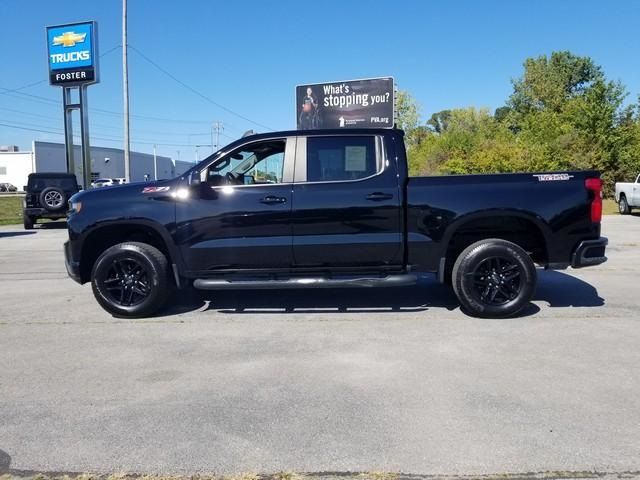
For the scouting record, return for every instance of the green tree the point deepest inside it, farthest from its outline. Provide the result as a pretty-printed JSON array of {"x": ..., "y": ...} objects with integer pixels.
[
  {"x": 439, "y": 121},
  {"x": 563, "y": 114},
  {"x": 548, "y": 82},
  {"x": 407, "y": 112}
]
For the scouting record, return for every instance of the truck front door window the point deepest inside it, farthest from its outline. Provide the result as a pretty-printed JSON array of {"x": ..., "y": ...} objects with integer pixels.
[{"x": 257, "y": 163}]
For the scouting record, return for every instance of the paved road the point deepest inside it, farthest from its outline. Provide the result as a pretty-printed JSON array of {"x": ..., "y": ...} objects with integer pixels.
[{"x": 395, "y": 380}]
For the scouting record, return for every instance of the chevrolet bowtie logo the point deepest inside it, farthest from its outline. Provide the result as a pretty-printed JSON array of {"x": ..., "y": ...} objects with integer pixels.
[{"x": 69, "y": 39}]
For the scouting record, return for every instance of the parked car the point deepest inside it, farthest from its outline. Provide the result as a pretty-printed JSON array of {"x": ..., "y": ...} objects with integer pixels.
[
  {"x": 108, "y": 182},
  {"x": 47, "y": 196},
  {"x": 338, "y": 209},
  {"x": 8, "y": 187},
  {"x": 628, "y": 196},
  {"x": 102, "y": 182}
]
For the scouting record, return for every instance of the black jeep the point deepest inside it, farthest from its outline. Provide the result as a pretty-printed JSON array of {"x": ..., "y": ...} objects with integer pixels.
[{"x": 47, "y": 196}]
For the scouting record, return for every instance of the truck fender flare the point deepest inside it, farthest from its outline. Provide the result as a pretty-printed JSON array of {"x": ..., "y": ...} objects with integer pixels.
[{"x": 459, "y": 222}]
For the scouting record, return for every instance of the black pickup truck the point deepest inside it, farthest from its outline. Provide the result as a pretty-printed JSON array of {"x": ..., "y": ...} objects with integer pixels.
[{"x": 333, "y": 208}]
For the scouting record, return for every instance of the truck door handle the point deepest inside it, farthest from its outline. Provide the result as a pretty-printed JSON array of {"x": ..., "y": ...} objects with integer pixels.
[
  {"x": 377, "y": 196},
  {"x": 272, "y": 200}
]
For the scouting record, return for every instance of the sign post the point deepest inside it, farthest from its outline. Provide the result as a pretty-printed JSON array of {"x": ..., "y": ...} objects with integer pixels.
[
  {"x": 349, "y": 104},
  {"x": 73, "y": 65}
]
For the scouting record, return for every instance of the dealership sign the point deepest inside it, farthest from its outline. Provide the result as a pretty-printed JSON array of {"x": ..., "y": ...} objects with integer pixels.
[
  {"x": 348, "y": 104},
  {"x": 73, "y": 54}
]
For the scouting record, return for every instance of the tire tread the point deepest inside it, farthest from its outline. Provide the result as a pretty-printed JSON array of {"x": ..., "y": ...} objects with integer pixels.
[{"x": 472, "y": 251}]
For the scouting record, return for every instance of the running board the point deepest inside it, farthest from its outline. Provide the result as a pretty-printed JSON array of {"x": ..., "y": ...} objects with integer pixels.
[{"x": 402, "y": 280}]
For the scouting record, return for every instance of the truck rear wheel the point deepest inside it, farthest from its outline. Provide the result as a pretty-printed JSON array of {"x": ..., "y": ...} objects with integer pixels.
[
  {"x": 27, "y": 221},
  {"x": 494, "y": 278},
  {"x": 131, "y": 280},
  {"x": 623, "y": 206}
]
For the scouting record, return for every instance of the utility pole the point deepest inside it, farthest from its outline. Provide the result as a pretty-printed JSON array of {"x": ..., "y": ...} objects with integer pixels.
[
  {"x": 125, "y": 92},
  {"x": 217, "y": 127}
]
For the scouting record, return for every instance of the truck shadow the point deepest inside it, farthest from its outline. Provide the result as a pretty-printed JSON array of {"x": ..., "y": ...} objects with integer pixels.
[
  {"x": 16, "y": 233},
  {"x": 555, "y": 288},
  {"x": 5, "y": 462},
  {"x": 562, "y": 290},
  {"x": 57, "y": 225}
]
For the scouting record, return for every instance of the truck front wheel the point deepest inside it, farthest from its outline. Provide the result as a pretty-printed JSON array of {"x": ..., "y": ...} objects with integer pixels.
[
  {"x": 494, "y": 278},
  {"x": 131, "y": 279}
]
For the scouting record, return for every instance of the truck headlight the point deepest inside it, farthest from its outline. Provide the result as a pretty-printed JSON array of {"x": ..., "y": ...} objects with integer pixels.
[{"x": 75, "y": 207}]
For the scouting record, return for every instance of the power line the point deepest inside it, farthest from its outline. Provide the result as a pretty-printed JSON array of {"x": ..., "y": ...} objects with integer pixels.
[
  {"x": 6, "y": 90},
  {"x": 112, "y": 139},
  {"x": 193, "y": 90},
  {"x": 111, "y": 127},
  {"x": 46, "y": 100},
  {"x": 30, "y": 129},
  {"x": 52, "y": 102}
]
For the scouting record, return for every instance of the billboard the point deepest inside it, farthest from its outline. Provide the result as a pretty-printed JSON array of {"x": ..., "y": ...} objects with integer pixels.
[
  {"x": 349, "y": 104},
  {"x": 72, "y": 54}
]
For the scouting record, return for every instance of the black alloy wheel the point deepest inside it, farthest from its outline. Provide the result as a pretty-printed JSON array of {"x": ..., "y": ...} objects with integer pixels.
[
  {"x": 131, "y": 280},
  {"x": 494, "y": 278},
  {"x": 497, "y": 280},
  {"x": 127, "y": 282}
]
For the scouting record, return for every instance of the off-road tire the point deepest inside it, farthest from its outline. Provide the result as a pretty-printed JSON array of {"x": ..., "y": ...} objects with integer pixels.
[
  {"x": 53, "y": 199},
  {"x": 494, "y": 265},
  {"x": 131, "y": 267},
  {"x": 623, "y": 205},
  {"x": 28, "y": 222}
]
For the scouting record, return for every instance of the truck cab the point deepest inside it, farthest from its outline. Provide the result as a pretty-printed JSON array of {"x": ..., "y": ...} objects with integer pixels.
[{"x": 628, "y": 196}]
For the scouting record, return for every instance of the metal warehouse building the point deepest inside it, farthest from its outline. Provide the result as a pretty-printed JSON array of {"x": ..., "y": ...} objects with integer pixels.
[{"x": 15, "y": 166}]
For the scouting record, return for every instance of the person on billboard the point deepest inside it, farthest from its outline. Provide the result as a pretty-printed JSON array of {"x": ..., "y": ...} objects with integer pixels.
[{"x": 309, "y": 116}]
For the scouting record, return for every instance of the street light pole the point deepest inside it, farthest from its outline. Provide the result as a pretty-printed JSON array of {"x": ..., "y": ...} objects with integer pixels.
[
  {"x": 217, "y": 126},
  {"x": 125, "y": 92},
  {"x": 155, "y": 163}
]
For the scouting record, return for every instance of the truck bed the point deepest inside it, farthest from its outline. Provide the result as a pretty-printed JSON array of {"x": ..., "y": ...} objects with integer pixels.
[{"x": 547, "y": 202}]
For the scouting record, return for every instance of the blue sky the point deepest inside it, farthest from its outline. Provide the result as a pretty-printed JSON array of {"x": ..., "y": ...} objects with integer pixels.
[{"x": 248, "y": 56}]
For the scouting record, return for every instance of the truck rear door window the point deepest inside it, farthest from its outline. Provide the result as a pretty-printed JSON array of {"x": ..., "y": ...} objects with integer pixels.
[{"x": 340, "y": 158}]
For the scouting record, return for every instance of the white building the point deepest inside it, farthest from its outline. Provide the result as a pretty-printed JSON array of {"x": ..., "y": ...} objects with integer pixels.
[{"x": 15, "y": 167}]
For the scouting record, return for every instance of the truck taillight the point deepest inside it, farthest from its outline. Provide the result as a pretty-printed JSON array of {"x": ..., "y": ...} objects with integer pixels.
[{"x": 595, "y": 185}]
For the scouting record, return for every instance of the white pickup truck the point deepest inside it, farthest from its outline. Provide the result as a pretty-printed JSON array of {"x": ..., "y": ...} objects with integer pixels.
[{"x": 628, "y": 196}]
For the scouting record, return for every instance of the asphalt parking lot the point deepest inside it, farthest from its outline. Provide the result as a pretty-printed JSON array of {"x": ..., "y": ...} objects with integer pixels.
[{"x": 317, "y": 381}]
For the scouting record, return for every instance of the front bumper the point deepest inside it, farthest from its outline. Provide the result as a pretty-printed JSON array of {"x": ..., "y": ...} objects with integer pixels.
[
  {"x": 589, "y": 253},
  {"x": 73, "y": 267}
]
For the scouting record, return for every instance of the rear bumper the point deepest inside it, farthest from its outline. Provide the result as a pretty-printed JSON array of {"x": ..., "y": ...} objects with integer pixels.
[
  {"x": 589, "y": 253},
  {"x": 43, "y": 213},
  {"x": 73, "y": 266}
]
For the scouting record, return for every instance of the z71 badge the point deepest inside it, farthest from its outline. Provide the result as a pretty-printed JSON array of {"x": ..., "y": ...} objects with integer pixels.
[
  {"x": 155, "y": 189},
  {"x": 553, "y": 177}
]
